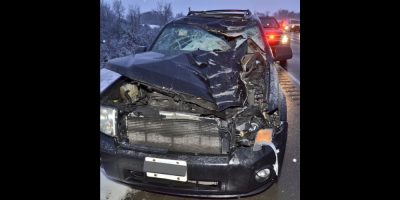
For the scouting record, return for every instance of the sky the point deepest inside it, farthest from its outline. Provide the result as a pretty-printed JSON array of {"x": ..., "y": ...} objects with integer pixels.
[{"x": 183, "y": 5}]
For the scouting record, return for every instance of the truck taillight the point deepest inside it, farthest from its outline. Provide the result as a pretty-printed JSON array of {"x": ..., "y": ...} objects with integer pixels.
[{"x": 270, "y": 37}]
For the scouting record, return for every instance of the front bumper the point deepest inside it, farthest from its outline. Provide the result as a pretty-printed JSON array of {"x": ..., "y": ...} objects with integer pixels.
[{"x": 233, "y": 174}]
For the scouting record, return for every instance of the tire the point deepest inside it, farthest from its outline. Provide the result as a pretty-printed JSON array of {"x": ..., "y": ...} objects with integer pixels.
[
  {"x": 283, "y": 138},
  {"x": 282, "y": 107},
  {"x": 283, "y": 63}
]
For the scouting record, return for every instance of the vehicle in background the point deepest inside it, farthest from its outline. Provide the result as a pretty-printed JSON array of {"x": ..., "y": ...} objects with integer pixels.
[
  {"x": 294, "y": 25},
  {"x": 277, "y": 39},
  {"x": 284, "y": 26}
]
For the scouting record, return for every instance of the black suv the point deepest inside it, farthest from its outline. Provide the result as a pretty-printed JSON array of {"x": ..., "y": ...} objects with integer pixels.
[
  {"x": 200, "y": 114},
  {"x": 277, "y": 40}
]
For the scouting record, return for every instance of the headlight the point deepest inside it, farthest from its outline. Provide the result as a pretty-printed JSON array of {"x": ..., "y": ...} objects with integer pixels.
[
  {"x": 285, "y": 39},
  {"x": 108, "y": 117}
]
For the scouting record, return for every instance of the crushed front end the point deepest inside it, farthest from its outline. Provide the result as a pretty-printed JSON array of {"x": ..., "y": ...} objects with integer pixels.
[
  {"x": 201, "y": 124},
  {"x": 234, "y": 152}
]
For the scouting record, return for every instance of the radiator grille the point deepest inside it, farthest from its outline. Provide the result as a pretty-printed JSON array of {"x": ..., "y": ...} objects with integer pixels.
[{"x": 180, "y": 135}]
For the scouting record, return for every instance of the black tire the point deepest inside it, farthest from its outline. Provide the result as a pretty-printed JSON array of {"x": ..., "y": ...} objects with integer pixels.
[
  {"x": 283, "y": 137},
  {"x": 283, "y": 63},
  {"x": 282, "y": 106}
]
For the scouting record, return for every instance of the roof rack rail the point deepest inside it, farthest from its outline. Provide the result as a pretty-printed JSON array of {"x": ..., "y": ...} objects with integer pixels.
[{"x": 245, "y": 13}]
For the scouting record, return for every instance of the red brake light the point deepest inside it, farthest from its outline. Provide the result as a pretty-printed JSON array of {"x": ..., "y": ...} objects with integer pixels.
[{"x": 271, "y": 37}]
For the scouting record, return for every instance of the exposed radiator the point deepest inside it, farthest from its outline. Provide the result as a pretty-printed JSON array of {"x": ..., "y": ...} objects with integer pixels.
[{"x": 179, "y": 135}]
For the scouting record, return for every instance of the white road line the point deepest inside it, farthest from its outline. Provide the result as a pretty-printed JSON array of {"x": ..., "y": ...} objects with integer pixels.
[
  {"x": 294, "y": 43},
  {"x": 295, "y": 40},
  {"x": 291, "y": 76},
  {"x": 294, "y": 79}
]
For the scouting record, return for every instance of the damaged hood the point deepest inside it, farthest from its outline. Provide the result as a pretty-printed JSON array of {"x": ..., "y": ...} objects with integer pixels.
[{"x": 211, "y": 76}]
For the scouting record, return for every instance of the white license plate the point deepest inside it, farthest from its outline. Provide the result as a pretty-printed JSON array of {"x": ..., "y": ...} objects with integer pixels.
[{"x": 175, "y": 170}]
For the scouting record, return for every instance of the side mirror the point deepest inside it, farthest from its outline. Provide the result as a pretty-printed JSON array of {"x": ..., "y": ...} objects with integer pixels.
[{"x": 140, "y": 49}]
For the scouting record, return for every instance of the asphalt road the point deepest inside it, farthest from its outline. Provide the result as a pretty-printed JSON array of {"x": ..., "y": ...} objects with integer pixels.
[
  {"x": 294, "y": 64},
  {"x": 288, "y": 186}
]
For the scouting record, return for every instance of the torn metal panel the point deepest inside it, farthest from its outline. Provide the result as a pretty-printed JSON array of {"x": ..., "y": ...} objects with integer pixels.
[
  {"x": 274, "y": 89},
  {"x": 213, "y": 78},
  {"x": 107, "y": 77},
  {"x": 172, "y": 73},
  {"x": 225, "y": 85}
]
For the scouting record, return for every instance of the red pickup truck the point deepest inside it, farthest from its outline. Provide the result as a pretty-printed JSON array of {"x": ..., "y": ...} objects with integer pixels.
[{"x": 277, "y": 40}]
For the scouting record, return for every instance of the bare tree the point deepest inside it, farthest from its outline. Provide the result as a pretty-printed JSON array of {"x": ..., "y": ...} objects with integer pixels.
[
  {"x": 107, "y": 18},
  {"x": 134, "y": 18},
  {"x": 104, "y": 12},
  {"x": 164, "y": 11},
  {"x": 123, "y": 32},
  {"x": 286, "y": 14},
  {"x": 118, "y": 8},
  {"x": 179, "y": 15},
  {"x": 119, "y": 12},
  {"x": 259, "y": 14}
]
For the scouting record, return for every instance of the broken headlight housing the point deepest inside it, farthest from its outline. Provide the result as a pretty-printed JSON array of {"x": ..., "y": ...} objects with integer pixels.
[{"x": 108, "y": 118}]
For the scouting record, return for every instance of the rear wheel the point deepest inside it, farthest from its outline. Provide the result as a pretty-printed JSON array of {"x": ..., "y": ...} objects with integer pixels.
[{"x": 283, "y": 63}]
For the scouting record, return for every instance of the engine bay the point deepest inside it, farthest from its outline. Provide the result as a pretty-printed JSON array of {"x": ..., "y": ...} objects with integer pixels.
[{"x": 151, "y": 117}]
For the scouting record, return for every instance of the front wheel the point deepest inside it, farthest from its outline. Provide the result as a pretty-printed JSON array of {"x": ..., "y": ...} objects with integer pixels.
[{"x": 282, "y": 110}]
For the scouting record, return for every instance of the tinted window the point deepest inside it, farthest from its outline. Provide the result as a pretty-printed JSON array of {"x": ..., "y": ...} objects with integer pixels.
[{"x": 269, "y": 23}]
